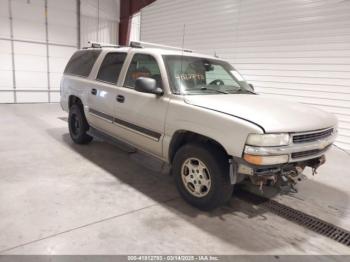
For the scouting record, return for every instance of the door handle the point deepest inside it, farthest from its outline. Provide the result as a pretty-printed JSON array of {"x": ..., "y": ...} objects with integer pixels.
[
  {"x": 94, "y": 91},
  {"x": 120, "y": 98}
]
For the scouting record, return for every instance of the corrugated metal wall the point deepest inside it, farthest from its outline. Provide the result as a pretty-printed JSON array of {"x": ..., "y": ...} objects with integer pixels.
[
  {"x": 37, "y": 37},
  {"x": 295, "y": 49},
  {"x": 135, "y": 27}
]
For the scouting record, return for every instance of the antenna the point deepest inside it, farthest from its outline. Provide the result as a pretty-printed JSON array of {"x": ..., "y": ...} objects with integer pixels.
[
  {"x": 183, "y": 37},
  {"x": 182, "y": 52}
]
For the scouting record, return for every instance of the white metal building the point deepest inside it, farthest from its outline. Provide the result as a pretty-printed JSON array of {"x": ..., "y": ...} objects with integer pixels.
[{"x": 298, "y": 50}]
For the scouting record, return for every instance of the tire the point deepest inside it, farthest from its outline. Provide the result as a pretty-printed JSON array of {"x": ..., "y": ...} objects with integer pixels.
[
  {"x": 204, "y": 195},
  {"x": 78, "y": 125}
]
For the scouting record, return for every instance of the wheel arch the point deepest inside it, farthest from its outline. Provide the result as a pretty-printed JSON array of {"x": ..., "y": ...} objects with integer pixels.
[
  {"x": 72, "y": 100},
  {"x": 182, "y": 137}
]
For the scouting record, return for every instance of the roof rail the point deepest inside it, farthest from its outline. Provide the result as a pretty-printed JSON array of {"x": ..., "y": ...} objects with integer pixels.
[
  {"x": 139, "y": 44},
  {"x": 100, "y": 45}
]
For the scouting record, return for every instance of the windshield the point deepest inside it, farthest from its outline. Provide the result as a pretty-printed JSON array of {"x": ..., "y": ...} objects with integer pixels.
[{"x": 197, "y": 75}]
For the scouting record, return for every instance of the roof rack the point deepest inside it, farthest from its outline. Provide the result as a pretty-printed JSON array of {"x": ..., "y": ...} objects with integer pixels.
[
  {"x": 139, "y": 44},
  {"x": 135, "y": 44},
  {"x": 100, "y": 45}
]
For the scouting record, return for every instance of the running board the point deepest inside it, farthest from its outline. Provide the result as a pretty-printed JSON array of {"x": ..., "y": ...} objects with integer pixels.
[{"x": 112, "y": 140}]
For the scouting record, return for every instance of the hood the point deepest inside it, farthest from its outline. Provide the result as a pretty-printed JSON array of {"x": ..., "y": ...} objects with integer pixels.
[{"x": 273, "y": 115}]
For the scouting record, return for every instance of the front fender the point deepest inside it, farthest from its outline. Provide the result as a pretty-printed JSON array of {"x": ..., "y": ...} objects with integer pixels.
[{"x": 229, "y": 131}]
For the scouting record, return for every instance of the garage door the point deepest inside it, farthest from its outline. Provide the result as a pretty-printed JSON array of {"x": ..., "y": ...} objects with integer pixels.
[
  {"x": 297, "y": 50},
  {"x": 37, "y": 38},
  {"x": 34, "y": 48}
]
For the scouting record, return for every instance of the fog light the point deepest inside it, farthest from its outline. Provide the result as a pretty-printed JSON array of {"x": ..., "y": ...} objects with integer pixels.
[
  {"x": 246, "y": 170},
  {"x": 265, "y": 160}
]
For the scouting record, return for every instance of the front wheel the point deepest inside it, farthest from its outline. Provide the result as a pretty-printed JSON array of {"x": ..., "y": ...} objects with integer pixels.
[
  {"x": 78, "y": 125},
  {"x": 202, "y": 176}
]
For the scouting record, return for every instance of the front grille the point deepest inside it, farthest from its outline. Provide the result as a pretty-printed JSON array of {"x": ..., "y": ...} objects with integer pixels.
[
  {"x": 310, "y": 137},
  {"x": 308, "y": 153}
]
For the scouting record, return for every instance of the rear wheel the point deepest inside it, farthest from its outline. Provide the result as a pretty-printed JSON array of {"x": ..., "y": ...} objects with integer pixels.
[
  {"x": 78, "y": 125},
  {"x": 202, "y": 176}
]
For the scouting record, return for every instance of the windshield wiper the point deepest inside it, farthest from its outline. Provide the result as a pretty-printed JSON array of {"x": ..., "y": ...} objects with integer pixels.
[
  {"x": 245, "y": 90},
  {"x": 212, "y": 89}
]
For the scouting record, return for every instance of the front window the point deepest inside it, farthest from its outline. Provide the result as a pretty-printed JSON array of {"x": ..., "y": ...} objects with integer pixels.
[
  {"x": 197, "y": 75},
  {"x": 142, "y": 65}
]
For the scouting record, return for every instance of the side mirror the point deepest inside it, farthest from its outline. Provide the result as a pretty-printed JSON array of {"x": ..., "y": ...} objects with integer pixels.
[
  {"x": 147, "y": 85},
  {"x": 251, "y": 86}
]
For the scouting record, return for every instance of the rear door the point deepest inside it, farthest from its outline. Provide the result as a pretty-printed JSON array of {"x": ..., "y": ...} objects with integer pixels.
[
  {"x": 139, "y": 117},
  {"x": 102, "y": 92}
]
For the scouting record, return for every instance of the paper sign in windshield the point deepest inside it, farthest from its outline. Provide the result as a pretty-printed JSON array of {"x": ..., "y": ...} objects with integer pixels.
[{"x": 190, "y": 77}]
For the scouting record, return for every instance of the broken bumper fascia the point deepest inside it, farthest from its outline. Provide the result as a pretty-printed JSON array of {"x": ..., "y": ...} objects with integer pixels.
[
  {"x": 290, "y": 152},
  {"x": 293, "y": 152}
]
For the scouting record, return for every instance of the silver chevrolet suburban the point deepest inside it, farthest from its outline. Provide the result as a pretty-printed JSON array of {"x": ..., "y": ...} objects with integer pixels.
[{"x": 195, "y": 112}]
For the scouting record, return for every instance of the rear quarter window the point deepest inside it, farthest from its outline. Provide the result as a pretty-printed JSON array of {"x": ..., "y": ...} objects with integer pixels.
[{"x": 81, "y": 62}]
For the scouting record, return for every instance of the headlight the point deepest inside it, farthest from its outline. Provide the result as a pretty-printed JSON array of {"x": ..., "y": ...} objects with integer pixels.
[{"x": 268, "y": 139}]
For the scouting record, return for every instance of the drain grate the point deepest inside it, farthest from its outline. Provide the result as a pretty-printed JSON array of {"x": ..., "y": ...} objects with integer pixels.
[{"x": 312, "y": 223}]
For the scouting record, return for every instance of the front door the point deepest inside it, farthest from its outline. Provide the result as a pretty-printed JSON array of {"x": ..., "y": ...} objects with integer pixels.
[{"x": 140, "y": 117}]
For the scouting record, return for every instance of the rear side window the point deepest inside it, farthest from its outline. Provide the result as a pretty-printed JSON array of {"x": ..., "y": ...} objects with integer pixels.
[
  {"x": 111, "y": 67},
  {"x": 82, "y": 62}
]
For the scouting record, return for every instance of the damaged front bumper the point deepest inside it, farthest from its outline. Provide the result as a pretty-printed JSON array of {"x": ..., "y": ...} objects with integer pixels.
[
  {"x": 267, "y": 165},
  {"x": 285, "y": 175}
]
